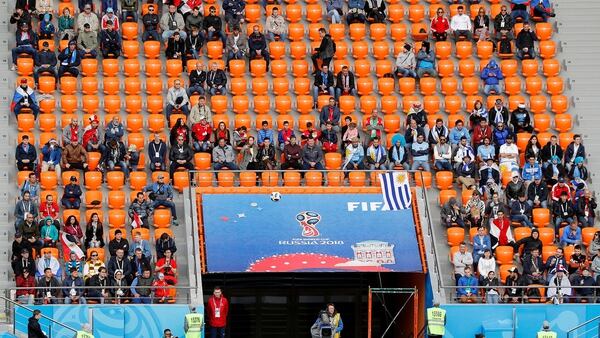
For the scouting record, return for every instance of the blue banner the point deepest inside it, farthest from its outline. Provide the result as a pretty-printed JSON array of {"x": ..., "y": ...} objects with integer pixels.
[{"x": 307, "y": 232}]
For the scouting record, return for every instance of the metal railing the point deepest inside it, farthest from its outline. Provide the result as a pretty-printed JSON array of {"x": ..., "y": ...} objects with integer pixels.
[
  {"x": 587, "y": 329},
  {"x": 11, "y": 313},
  {"x": 541, "y": 298}
]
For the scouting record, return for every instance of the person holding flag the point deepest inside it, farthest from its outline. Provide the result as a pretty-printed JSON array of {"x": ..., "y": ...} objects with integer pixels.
[{"x": 139, "y": 211}]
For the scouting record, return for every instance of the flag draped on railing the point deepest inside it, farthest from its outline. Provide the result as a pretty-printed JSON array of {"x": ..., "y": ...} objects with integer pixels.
[{"x": 395, "y": 190}]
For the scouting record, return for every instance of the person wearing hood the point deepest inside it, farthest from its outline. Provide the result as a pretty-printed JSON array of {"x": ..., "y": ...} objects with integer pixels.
[
  {"x": 515, "y": 188},
  {"x": 451, "y": 215},
  {"x": 537, "y": 193},
  {"x": 492, "y": 75},
  {"x": 397, "y": 154},
  {"x": 578, "y": 171},
  {"x": 529, "y": 243},
  {"x": 426, "y": 61},
  {"x": 49, "y": 233},
  {"x": 406, "y": 63},
  {"x": 121, "y": 290},
  {"x": 520, "y": 120}
]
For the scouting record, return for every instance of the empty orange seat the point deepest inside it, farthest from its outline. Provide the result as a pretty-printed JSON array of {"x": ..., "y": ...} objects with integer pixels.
[
  {"x": 449, "y": 86},
  {"x": 364, "y": 86},
  {"x": 395, "y": 13},
  {"x": 283, "y": 104},
  {"x": 464, "y": 49},
  {"x": 358, "y": 31},
  {"x": 313, "y": 178},
  {"x": 391, "y": 123},
  {"x": 304, "y": 104},
  {"x": 416, "y": 13},
  {"x": 129, "y": 30},
  {"x": 174, "y": 67},
  {"x": 89, "y": 85},
  {"x": 470, "y": 86},
  {"x": 253, "y": 12},
  {"x": 135, "y": 123},
  {"x": 291, "y": 179},
  {"x": 406, "y": 85},
  {"x": 357, "y": 178},
  {"x": 485, "y": 49},
  {"x": 111, "y": 85},
  {"x": 398, "y": 31},
  {"x": 389, "y": 104},
  {"x": 260, "y": 86},
  {"x": 541, "y": 122},
  {"x": 537, "y": 104},
  {"x": 529, "y": 67},
  {"x": 181, "y": 180},
  {"x": 431, "y": 103},
  {"x": 381, "y": 50},
  {"x": 302, "y": 86},
  {"x": 543, "y": 30},
  {"x": 587, "y": 235},
  {"x": 93, "y": 180},
  {"x": 214, "y": 49},
  {"x": 110, "y": 67},
  {"x": 385, "y": 86},
  {"x": 116, "y": 219},
  {"x": 504, "y": 254},
  {"x": 509, "y": 67},
  {"x": 277, "y": 50},
  {"x": 314, "y": 12},
  {"x": 68, "y": 85},
  {"x": 25, "y": 66},
  {"x": 423, "y": 178},
  {"x": 115, "y": 179},
  {"x": 466, "y": 68},
  {"x": 152, "y": 49},
  {"x": 445, "y": 68},
  {"x": 25, "y": 122},
  {"x": 456, "y": 235},
  {"x": 452, "y": 104},
  {"x": 533, "y": 85},
  {"x": 443, "y": 50},
  {"x": 333, "y": 161},
  {"x": 295, "y": 31},
  {"x": 563, "y": 122},
  {"x": 270, "y": 178},
  {"x": 551, "y": 67},
  {"x": 512, "y": 85},
  {"x": 559, "y": 104},
  {"x": 154, "y": 104},
  {"x": 547, "y": 49},
  {"x": 541, "y": 217},
  {"x": 367, "y": 103},
  {"x": 240, "y": 104},
  {"x": 293, "y": 12},
  {"x": 116, "y": 199},
  {"x": 258, "y": 68},
  {"x": 554, "y": 85},
  {"x": 378, "y": 31},
  {"x": 444, "y": 179}
]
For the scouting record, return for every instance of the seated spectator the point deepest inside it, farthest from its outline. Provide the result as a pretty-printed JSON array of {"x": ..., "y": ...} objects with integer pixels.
[
  {"x": 451, "y": 214},
  {"x": 562, "y": 211},
  {"x": 234, "y": 12},
  {"x": 486, "y": 152},
  {"x": 161, "y": 195},
  {"x": 73, "y": 228},
  {"x": 110, "y": 41},
  {"x": 531, "y": 171},
  {"x": 481, "y": 244},
  {"x": 72, "y": 194},
  {"x": 466, "y": 173},
  {"x": 571, "y": 235},
  {"x": 412, "y": 131},
  {"x": 165, "y": 242},
  {"x": 266, "y": 155},
  {"x": 284, "y": 135},
  {"x": 417, "y": 113},
  {"x": 27, "y": 41},
  {"x": 223, "y": 156},
  {"x": 525, "y": 42},
  {"x": 543, "y": 9},
  {"x": 559, "y": 287},
  {"x": 150, "y": 22},
  {"x": 157, "y": 153},
  {"x": 25, "y": 206},
  {"x": 323, "y": 84},
  {"x": 197, "y": 85},
  {"x": 420, "y": 154},
  {"x": 529, "y": 243},
  {"x": 374, "y": 125},
  {"x": 177, "y": 100},
  {"x": 237, "y": 45},
  {"x": 555, "y": 262},
  {"x": 534, "y": 148},
  {"x": 553, "y": 174},
  {"x": 216, "y": 80},
  {"x": 213, "y": 27},
  {"x": 66, "y": 25},
  {"x": 397, "y": 154},
  {"x": 168, "y": 267},
  {"x": 481, "y": 26},
  {"x": 257, "y": 44},
  {"x": 31, "y": 185},
  {"x": 329, "y": 138},
  {"x": 584, "y": 279},
  {"x": 463, "y": 149},
  {"x": 49, "y": 233},
  {"x": 478, "y": 114},
  {"x": 491, "y": 281},
  {"x": 355, "y": 154},
  {"x": 537, "y": 194},
  {"x": 171, "y": 22},
  {"x": 129, "y": 10},
  {"x": 114, "y": 130},
  {"x": 498, "y": 114},
  {"x": 515, "y": 188},
  {"x": 520, "y": 120},
  {"x": 276, "y": 27},
  {"x": 457, "y": 133},
  {"x": 194, "y": 42},
  {"x": 292, "y": 153},
  {"x": 264, "y": 132},
  {"x": 24, "y": 98},
  {"x": 508, "y": 154},
  {"x": 70, "y": 59},
  {"x": 519, "y": 10},
  {"x": 330, "y": 113},
  {"x": 48, "y": 287},
  {"x": 520, "y": 211},
  {"x": 26, "y": 284},
  {"x": 73, "y": 261},
  {"x": 140, "y": 288},
  {"x": 110, "y": 17},
  {"x": 195, "y": 15},
  {"x": 491, "y": 76},
  {"x": 406, "y": 62},
  {"x": 514, "y": 295},
  {"x": 503, "y": 24},
  {"x": 440, "y": 26},
  {"x": 45, "y": 62},
  {"x": 132, "y": 157},
  {"x": 324, "y": 52},
  {"x": 20, "y": 16},
  {"x": 349, "y": 131},
  {"x": 30, "y": 231},
  {"x": 139, "y": 262},
  {"x": 574, "y": 150},
  {"x": 586, "y": 209},
  {"x": 461, "y": 260},
  {"x": 49, "y": 208},
  {"x": 578, "y": 262},
  {"x": 201, "y": 109},
  {"x": 578, "y": 171},
  {"x": 475, "y": 209},
  {"x": 181, "y": 156},
  {"x": 100, "y": 281},
  {"x": 375, "y": 10},
  {"x": 160, "y": 289},
  {"x": 47, "y": 261},
  {"x": 121, "y": 292},
  {"x": 426, "y": 61},
  {"x": 119, "y": 262},
  {"x": 118, "y": 243},
  {"x": 486, "y": 263},
  {"x": 467, "y": 291},
  {"x": 91, "y": 140},
  {"x": 94, "y": 232},
  {"x": 461, "y": 24},
  {"x": 334, "y": 9},
  {"x": 221, "y": 131},
  {"x": 356, "y": 12},
  {"x": 86, "y": 15},
  {"x": 22, "y": 260},
  {"x": 376, "y": 155},
  {"x": 533, "y": 268},
  {"x": 249, "y": 155},
  {"x": 179, "y": 129},
  {"x": 480, "y": 133},
  {"x": 25, "y": 155},
  {"x": 73, "y": 291},
  {"x": 201, "y": 136},
  {"x": 500, "y": 231},
  {"x": 141, "y": 208},
  {"x": 114, "y": 155},
  {"x": 175, "y": 48}
]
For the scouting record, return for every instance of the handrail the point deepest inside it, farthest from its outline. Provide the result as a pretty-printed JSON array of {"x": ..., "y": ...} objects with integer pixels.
[
  {"x": 10, "y": 301},
  {"x": 582, "y": 325}
]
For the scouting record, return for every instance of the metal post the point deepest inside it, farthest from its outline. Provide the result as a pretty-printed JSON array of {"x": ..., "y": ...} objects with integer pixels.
[
  {"x": 369, "y": 320},
  {"x": 416, "y": 313}
]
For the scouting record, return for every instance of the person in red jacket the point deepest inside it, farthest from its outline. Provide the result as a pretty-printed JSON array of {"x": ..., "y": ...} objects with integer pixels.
[
  {"x": 559, "y": 188},
  {"x": 481, "y": 131},
  {"x": 216, "y": 313},
  {"x": 440, "y": 26},
  {"x": 161, "y": 289},
  {"x": 49, "y": 209},
  {"x": 25, "y": 280}
]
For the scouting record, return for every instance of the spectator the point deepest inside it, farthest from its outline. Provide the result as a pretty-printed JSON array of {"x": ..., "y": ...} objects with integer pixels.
[
  {"x": 356, "y": 12},
  {"x": 525, "y": 42},
  {"x": 375, "y": 10},
  {"x": 201, "y": 109},
  {"x": 515, "y": 188},
  {"x": 91, "y": 140},
  {"x": 461, "y": 260},
  {"x": 555, "y": 262},
  {"x": 491, "y": 75},
  {"x": 100, "y": 282},
  {"x": 474, "y": 209},
  {"x": 420, "y": 154},
  {"x": 66, "y": 25},
  {"x": 498, "y": 114},
  {"x": 118, "y": 243},
  {"x": 172, "y": 22},
  {"x": 216, "y": 312},
  {"x": 20, "y": 16},
  {"x": 49, "y": 208},
  {"x": 500, "y": 232},
  {"x": 194, "y": 17},
  {"x": 491, "y": 282},
  {"x": 563, "y": 211},
  {"x": 513, "y": 295},
  {"x": 221, "y": 131},
  {"x": 534, "y": 148},
  {"x": 237, "y": 45},
  {"x": 481, "y": 26},
  {"x": 555, "y": 172},
  {"x": 543, "y": 9},
  {"x": 120, "y": 292},
  {"x": 537, "y": 194},
  {"x": 48, "y": 287},
  {"x": 119, "y": 262},
  {"x": 132, "y": 157},
  {"x": 49, "y": 233},
  {"x": 559, "y": 188},
  {"x": 161, "y": 289},
  {"x": 177, "y": 100},
  {"x": 417, "y": 113},
  {"x": 509, "y": 154},
  {"x": 70, "y": 59},
  {"x": 334, "y": 9},
  {"x": 529, "y": 243},
  {"x": 27, "y": 41},
  {"x": 520, "y": 120},
  {"x": 150, "y": 22},
  {"x": 350, "y": 132},
  {"x": 73, "y": 261},
  {"x": 73, "y": 291},
  {"x": 234, "y": 12},
  {"x": 578, "y": 171},
  {"x": 330, "y": 114},
  {"x": 26, "y": 288},
  {"x": 212, "y": 26},
  {"x": 114, "y": 155},
  {"x": 578, "y": 263},
  {"x": 30, "y": 231},
  {"x": 197, "y": 85},
  {"x": 478, "y": 114},
  {"x": 72, "y": 130},
  {"x": 426, "y": 61},
  {"x": 519, "y": 10},
  {"x": 114, "y": 130},
  {"x": 47, "y": 261},
  {"x": 216, "y": 80},
  {"x": 482, "y": 244},
  {"x": 374, "y": 125},
  {"x": 161, "y": 194},
  {"x": 223, "y": 156},
  {"x": 266, "y": 155},
  {"x": 25, "y": 206},
  {"x": 466, "y": 173},
  {"x": 533, "y": 268},
  {"x": 440, "y": 26},
  {"x": 503, "y": 24},
  {"x": 531, "y": 171},
  {"x": 21, "y": 255},
  {"x": 73, "y": 228},
  {"x": 201, "y": 134},
  {"x": 329, "y": 138},
  {"x": 376, "y": 155},
  {"x": 72, "y": 194},
  {"x": 165, "y": 242},
  {"x": 292, "y": 153},
  {"x": 355, "y": 154},
  {"x": 406, "y": 62},
  {"x": 139, "y": 262},
  {"x": 94, "y": 232},
  {"x": 324, "y": 52},
  {"x": 412, "y": 131},
  {"x": 451, "y": 214},
  {"x": 141, "y": 208},
  {"x": 397, "y": 154},
  {"x": 249, "y": 153},
  {"x": 574, "y": 150},
  {"x": 520, "y": 211},
  {"x": 480, "y": 133},
  {"x": 31, "y": 185},
  {"x": 457, "y": 133},
  {"x": 24, "y": 98},
  {"x": 257, "y": 44},
  {"x": 463, "y": 149},
  {"x": 264, "y": 132},
  {"x": 584, "y": 279},
  {"x": 276, "y": 27},
  {"x": 181, "y": 156},
  {"x": 175, "y": 48},
  {"x": 110, "y": 17},
  {"x": 87, "y": 16},
  {"x": 284, "y": 135},
  {"x": 559, "y": 287},
  {"x": 25, "y": 155},
  {"x": 141, "y": 288},
  {"x": 45, "y": 61},
  {"x": 168, "y": 267},
  {"x": 129, "y": 9},
  {"x": 586, "y": 209},
  {"x": 461, "y": 24},
  {"x": 571, "y": 235},
  {"x": 323, "y": 84},
  {"x": 194, "y": 42}
]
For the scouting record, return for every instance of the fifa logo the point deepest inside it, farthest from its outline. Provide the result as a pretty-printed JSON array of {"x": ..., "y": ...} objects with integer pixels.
[{"x": 308, "y": 222}]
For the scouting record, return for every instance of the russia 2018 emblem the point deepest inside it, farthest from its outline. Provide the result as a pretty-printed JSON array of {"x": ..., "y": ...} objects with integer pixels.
[{"x": 308, "y": 221}]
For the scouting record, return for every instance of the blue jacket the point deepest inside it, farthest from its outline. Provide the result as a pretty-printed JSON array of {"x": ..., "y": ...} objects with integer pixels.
[
  {"x": 467, "y": 283},
  {"x": 167, "y": 190},
  {"x": 334, "y": 4},
  {"x": 69, "y": 282},
  {"x": 51, "y": 155},
  {"x": 480, "y": 244},
  {"x": 531, "y": 172},
  {"x": 420, "y": 151},
  {"x": 500, "y": 136},
  {"x": 145, "y": 245},
  {"x": 263, "y": 134},
  {"x": 492, "y": 74},
  {"x": 571, "y": 237},
  {"x": 456, "y": 135},
  {"x": 544, "y": 3}
]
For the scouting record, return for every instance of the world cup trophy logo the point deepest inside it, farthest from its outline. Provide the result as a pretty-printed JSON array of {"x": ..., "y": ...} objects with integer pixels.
[{"x": 308, "y": 221}]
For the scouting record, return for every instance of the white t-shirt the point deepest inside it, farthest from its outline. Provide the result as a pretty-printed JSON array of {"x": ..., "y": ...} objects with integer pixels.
[{"x": 509, "y": 149}]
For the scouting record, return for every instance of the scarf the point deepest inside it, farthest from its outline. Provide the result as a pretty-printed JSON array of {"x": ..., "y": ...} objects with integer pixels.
[
  {"x": 397, "y": 153},
  {"x": 376, "y": 153}
]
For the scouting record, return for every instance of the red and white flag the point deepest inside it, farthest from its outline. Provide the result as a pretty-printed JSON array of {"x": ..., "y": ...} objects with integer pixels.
[
  {"x": 137, "y": 221},
  {"x": 69, "y": 246}
]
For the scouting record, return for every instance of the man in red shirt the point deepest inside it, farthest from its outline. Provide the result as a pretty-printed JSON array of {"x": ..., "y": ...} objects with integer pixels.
[
  {"x": 49, "y": 209},
  {"x": 216, "y": 313}
]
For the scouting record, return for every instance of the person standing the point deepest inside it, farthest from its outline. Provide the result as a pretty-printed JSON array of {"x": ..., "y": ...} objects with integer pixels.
[
  {"x": 33, "y": 326},
  {"x": 216, "y": 312},
  {"x": 546, "y": 332},
  {"x": 436, "y": 321},
  {"x": 193, "y": 324}
]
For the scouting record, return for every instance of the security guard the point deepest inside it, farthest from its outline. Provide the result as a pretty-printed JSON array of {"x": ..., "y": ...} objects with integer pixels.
[
  {"x": 85, "y": 332},
  {"x": 436, "y": 321},
  {"x": 546, "y": 333},
  {"x": 193, "y": 324}
]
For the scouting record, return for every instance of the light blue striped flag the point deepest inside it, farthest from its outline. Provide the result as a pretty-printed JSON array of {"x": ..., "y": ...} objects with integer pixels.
[{"x": 395, "y": 189}]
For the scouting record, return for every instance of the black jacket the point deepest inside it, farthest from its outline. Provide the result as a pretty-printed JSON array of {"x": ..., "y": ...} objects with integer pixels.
[
  {"x": 326, "y": 48},
  {"x": 110, "y": 40},
  {"x": 144, "y": 264},
  {"x": 212, "y": 21},
  {"x": 492, "y": 116},
  {"x": 319, "y": 79},
  {"x": 571, "y": 151},
  {"x": 529, "y": 244},
  {"x": 517, "y": 206},
  {"x": 45, "y": 58},
  {"x": 150, "y": 22},
  {"x": 113, "y": 265},
  {"x": 563, "y": 210},
  {"x": 174, "y": 46},
  {"x": 185, "y": 153},
  {"x": 583, "y": 172},
  {"x": 257, "y": 42},
  {"x": 117, "y": 156},
  {"x": 19, "y": 265},
  {"x": 32, "y": 40},
  {"x": 66, "y": 55},
  {"x": 21, "y": 154},
  {"x": 581, "y": 204},
  {"x": 340, "y": 80},
  {"x": 526, "y": 39},
  {"x": 154, "y": 148},
  {"x": 469, "y": 171},
  {"x": 33, "y": 329},
  {"x": 89, "y": 233},
  {"x": 541, "y": 191},
  {"x": 161, "y": 246},
  {"x": 549, "y": 150},
  {"x": 193, "y": 42},
  {"x": 216, "y": 78},
  {"x": 96, "y": 281},
  {"x": 508, "y": 22},
  {"x": 197, "y": 78},
  {"x": 114, "y": 245},
  {"x": 72, "y": 191}
]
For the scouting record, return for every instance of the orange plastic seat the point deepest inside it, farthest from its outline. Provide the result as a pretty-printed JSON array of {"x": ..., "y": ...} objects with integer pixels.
[
  {"x": 89, "y": 67},
  {"x": 241, "y": 104},
  {"x": 152, "y": 49},
  {"x": 445, "y": 68},
  {"x": 259, "y": 86},
  {"x": 543, "y": 30},
  {"x": 93, "y": 180},
  {"x": 133, "y": 104},
  {"x": 444, "y": 179},
  {"x": 416, "y": 13},
  {"x": 129, "y": 30},
  {"x": 406, "y": 85},
  {"x": 504, "y": 254},
  {"x": 181, "y": 180},
  {"x": 389, "y": 104},
  {"x": 395, "y": 13},
  {"x": 93, "y": 199},
  {"x": 214, "y": 49},
  {"x": 293, "y": 13},
  {"x": 449, "y": 86},
  {"x": 314, "y": 13},
  {"x": 547, "y": 49},
  {"x": 277, "y": 50},
  {"x": 464, "y": 49},
  {"x": 358, "y": 31},
  {"x": 281, "y": 86},
  {"x": 174, "y": 67},
  {"x": 313, "y": 33},
  {"x": 335, "y": 178},
  {"x": 116, "y": 199},
  {"x": 398, "y": 31},
  {"x": 312, "y": 178},
  {"x": 347, "y": 104},
  {"x": 154, "y": 104},
  {"x": 93, "y": 158},
  {"x": 48, "y": 105},
  {"x": 333, "y": 161},
  {"x": 367, "y": 103},
  {"x": 48, "y": 180},
  {"x": 509, "y": 67},
  {"x": 258, "y": 68},
  {"x": 551, "y": 67},
  {"x": 115, "y": 179},
  {"x": 270, "y": 178},
  {"x": 537, "y": 104},
  {"x": 302, "y": 86},
  {"x": 466, "y": 68},
  {"x": 89, "y": 85},
  {"x": 381, "y": 50},
  {"x": 303, "y": 121},
  {"x": 25, "y": 122},
  {"x": 378, "y": 31},
  {"x": 541, "y": 122},
  {"x": 364, "y": 86},
  {"x": 283, "y": 104},
  {"x": 391, "y": 123},
  {"x": 110, "y": 67},
  {"x": 68, "y": 85},
  {"x": 512, "y": 85},
  {"x": 296, "y": 31},
  {"x": 555, "y": 85},
  {"x": 91, "y": 104},
  {"x": 248, "y": 179},
  {"x": 529, "y": 68},
  {"x": 135, "y": 123},
  {"x": 456, "y": 235},
  {"x": 25, "y": 66},
  {"x": 431, "y": 103},
  {"x": 154, "y": 86},
  {"x": 563, "y": 122},
  {"x": 541, "y": 217},
  {"x": 152, "y": 67},
  {"x": 362, "y": 68},
  {"x": 291, "y": 179},
  {"x": 137, "y": 139},
  {"x": 304, "y": 104},
  {"x": 423, "y": 178},
  {"x": 452, "y": 104},
  {"x": 253, "y": 12},
  {"x": 428, "y": 86},
  {"x": 559, "y": 104},
  {"x": 587, "y": 235},
  {"x": 278, "y": 68},
  {"x": 116, "y": 219},
  {"x": 47, "y": 122},
  {"x": 262, "y": 104},
  {"x": 357, "y": 178},
  {"x": 485, "y": 49},
  {"x": 385, "y": 85},
  {"x": 238, "y": 86},
  {"x": 111, "y": 85},
  {"x": 470, "y": 86}
]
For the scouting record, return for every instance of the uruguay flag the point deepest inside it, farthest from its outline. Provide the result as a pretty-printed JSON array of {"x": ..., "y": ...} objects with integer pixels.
[{"x": 396, "y": 190}]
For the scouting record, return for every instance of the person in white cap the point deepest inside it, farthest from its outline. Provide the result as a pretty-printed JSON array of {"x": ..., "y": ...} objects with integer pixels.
[
  {"x": 520, "y": 120},
  {"x": 546, "y": 332},
  {"x": 559, "y": 287}
]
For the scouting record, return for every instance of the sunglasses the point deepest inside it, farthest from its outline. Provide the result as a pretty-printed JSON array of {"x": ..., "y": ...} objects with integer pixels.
[{"x": 94, "y": 255}]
